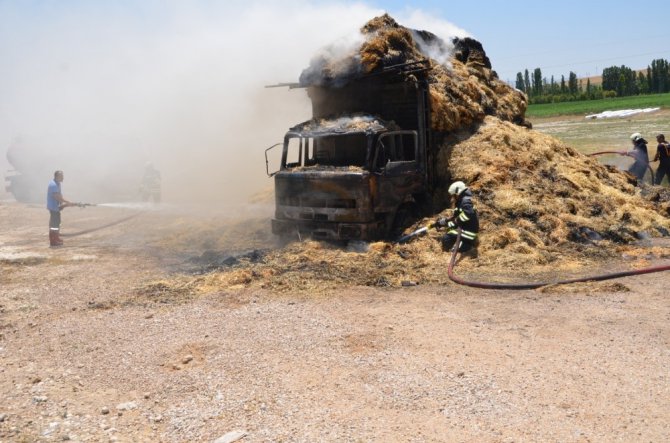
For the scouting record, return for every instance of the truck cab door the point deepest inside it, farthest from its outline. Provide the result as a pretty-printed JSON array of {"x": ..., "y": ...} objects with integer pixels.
[
  {"x": 396, "y": 164},
  {"x": 275, "y": 155}
]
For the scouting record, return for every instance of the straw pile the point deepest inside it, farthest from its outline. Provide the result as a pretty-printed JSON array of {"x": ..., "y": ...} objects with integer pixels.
[
  {"x": 462, "y": 93},
  {"x": 539, "y": 199},
  {"x": 543, "y": 206}
]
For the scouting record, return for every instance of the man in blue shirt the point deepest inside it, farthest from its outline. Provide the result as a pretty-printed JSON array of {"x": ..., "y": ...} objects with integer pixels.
[{"x": 55, "y": 203}]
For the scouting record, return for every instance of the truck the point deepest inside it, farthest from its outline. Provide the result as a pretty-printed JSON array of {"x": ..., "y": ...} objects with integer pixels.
[{"x": 364, "y": 167}]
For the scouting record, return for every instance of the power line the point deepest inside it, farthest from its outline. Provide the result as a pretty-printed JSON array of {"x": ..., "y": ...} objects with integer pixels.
[
  {"x": 605, "y": 59},
  {"x": 573, "y": 49}
]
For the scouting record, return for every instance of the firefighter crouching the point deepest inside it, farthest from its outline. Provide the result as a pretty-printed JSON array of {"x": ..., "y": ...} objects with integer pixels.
[{"x": 465, "y": 217}]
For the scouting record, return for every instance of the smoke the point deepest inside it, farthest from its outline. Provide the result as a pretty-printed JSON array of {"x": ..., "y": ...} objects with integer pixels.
[
  {"x": 98, "y": 89},
  {"x": 340, "y": 59},
  {"x": 440, "y": 49}
]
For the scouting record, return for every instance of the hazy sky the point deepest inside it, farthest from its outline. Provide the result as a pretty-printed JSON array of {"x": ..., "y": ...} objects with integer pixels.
[{"x": 99, "y": 88}]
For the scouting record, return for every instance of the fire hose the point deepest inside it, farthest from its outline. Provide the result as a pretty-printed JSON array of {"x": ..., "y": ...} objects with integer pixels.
[
  {"x": 626, "y": 154},
  {"x": 484, "y": 285},
  {"x": 534, "y": 285},
  {"x": 97, "y": 228}
]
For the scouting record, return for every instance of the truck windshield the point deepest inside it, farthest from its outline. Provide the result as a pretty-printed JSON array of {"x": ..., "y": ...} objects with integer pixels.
[{"x": 327, "y": 150}]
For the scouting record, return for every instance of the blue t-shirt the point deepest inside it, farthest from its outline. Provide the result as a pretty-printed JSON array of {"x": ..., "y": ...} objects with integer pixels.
[{"x": 52, "y": 203}]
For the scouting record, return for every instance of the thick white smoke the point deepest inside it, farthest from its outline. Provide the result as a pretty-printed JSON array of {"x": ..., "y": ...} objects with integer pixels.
[
  {"x": 441, "y": 52},
  {"x": 100, "y": 88}
]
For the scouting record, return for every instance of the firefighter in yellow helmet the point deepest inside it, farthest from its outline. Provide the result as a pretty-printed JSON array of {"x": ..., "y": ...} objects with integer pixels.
[{"x": 465, "y": 217}]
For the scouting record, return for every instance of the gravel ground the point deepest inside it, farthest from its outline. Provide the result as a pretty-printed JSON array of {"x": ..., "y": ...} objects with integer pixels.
[{"x": 86, "y": 355}]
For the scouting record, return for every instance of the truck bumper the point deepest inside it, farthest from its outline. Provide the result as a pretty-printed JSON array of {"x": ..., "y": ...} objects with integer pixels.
[{"x": 328, "y": 230}]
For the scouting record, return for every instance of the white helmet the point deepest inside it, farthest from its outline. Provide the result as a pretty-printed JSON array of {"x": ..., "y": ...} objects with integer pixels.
[
  {"x": 636, "y": 136},
  {"x": 456, "y": 188}
]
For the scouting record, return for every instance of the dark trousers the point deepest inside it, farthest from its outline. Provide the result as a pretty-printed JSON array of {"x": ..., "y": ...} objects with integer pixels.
[
  {"x": 449, "y": 240},
  {"x": 638, "y": 169},
  {"x": 662, "y": 171},
  {"x": 54, "y": 220}
]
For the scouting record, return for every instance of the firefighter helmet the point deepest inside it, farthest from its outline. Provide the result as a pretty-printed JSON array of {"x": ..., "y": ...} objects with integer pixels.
[{"x": 457, "y": 187}]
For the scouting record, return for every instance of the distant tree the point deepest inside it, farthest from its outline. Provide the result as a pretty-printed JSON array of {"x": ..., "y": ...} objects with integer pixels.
[
  {"x": 610, "y": 78},
  {"x": 642, "y": 83},
  {"x": 663, "y": 76},
  {"x": 572, "y": 83},
  {"x": 629, "y": 80},
  {"x": 520, "y": 85},
  {"x": 658, "y": 76},
  {"x": 537, "y": 81},
  {"x": 526, "y": 82},
  {"x": 553, "y": 87},
  {"x": 619, "y": 79},
  {"x": 654, "y": 78},
  {"x": 564, "y": 89}
]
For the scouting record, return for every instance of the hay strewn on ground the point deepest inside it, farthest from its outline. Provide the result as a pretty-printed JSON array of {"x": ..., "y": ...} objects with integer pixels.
[{"x": 543, "y": 206}]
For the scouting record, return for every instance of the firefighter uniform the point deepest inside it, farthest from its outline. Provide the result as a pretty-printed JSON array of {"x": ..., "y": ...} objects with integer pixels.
[
  {"x": 465, "y": 217},
  {"x": 151, "y": 184}
]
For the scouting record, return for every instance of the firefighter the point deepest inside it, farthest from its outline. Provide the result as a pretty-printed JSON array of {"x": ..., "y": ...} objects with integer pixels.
[
  {"x": 639, "y": 153},
  {"x": 662, "y": 154},
  {"x": 55, "y": 204},
  {"x": 151, "y": 184},
  {"x": 465, "y": 217}
]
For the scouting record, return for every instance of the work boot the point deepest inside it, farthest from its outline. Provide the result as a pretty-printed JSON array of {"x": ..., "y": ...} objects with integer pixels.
[
  {"x": 470, "y": 253},
  {"x": 54, "y": 238}
]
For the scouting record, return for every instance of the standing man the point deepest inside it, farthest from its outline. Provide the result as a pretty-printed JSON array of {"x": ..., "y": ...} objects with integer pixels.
[
  {"x": 662, "y": 154},
  {"x": 639, "y": 153},
  {"x": 151, "y": 184},
  {"x": 465, "y": 217},
  {"x": 55, "y": 203}
]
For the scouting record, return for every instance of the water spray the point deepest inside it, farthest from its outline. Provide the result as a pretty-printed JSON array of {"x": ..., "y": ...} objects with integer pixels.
[{"x": 626, "y": 154}]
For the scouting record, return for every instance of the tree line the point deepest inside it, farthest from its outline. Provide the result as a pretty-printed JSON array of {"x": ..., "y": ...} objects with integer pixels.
[{"x": 617, "y": 81}]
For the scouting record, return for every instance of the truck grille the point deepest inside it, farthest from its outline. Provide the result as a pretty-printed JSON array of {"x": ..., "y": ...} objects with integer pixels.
[
  {"x": 312, "y": 216},
  {"x": 308, "y": 202}
]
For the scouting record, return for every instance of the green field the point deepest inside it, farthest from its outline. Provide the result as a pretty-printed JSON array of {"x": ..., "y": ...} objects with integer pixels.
[
  {"x": 590, "y": 135},
  {"x": 596, "y": 106}
]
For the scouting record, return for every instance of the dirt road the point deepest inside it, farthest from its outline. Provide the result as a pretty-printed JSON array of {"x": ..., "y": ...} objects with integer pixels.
[{"x": 88, "y": 354}]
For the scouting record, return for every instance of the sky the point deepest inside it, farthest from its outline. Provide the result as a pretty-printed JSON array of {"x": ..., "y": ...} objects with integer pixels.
[
  {"x": 100, "y": 88},
  {"x": 579, "y": 36}
]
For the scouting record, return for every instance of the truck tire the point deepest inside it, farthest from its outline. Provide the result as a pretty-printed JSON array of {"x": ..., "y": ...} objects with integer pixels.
[{"x": 405, "y": 216}]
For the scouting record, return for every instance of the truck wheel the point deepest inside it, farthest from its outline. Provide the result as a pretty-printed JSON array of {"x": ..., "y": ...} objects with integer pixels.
[{"x": 406, "y": 214}]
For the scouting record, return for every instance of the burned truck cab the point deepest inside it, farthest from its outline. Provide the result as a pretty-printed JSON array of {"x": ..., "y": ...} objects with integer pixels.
[
  {"x": 350, "y": 171},
  {"x": 336, "y": 175}
]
